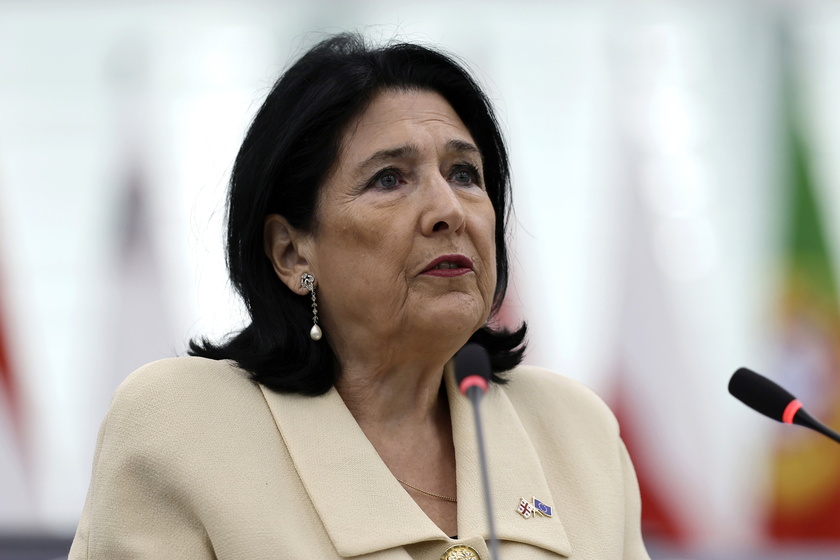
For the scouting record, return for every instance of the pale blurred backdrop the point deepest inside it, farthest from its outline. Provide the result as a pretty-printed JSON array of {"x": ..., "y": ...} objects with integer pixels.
[{"x": 677, "y": 194}]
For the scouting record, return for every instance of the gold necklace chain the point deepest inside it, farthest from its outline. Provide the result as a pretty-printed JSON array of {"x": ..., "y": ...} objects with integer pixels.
[{"x": 438, "y": 496}]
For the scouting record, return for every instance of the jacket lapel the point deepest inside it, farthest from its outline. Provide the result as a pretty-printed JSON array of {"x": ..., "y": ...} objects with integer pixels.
[
  {"x": 515, "y": 472},
  {"x": 362, "y": 506}
]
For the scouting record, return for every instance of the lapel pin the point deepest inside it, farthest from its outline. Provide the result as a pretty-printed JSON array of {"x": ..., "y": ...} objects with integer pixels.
[
  {"x": 527, "y": 509},
  {"x": 542, "y": 509}
]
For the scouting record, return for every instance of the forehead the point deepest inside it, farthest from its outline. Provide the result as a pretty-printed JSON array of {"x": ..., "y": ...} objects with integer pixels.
[{"x": 397, "y": 117}]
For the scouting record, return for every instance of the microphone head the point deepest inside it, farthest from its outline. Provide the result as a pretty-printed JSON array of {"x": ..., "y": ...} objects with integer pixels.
[
  {"x": 761, "y": 394},
  {"x": 472, "y": 367}
]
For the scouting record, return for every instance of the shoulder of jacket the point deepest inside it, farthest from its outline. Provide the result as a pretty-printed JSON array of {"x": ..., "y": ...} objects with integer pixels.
[
  {"x": 182, "y": 373},
  {"x": 534, "y": 379},
  {"x": 543, "y": 392},
  {"x": 184, "y": 382}
]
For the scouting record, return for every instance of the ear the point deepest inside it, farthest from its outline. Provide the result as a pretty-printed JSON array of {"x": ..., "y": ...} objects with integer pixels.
[{"x": 286, "y": 248}]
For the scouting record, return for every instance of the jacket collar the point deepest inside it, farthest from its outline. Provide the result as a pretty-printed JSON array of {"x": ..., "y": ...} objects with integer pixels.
[
  {"x": 515, "y": 473},
  {"x": 364, "y": 509}
]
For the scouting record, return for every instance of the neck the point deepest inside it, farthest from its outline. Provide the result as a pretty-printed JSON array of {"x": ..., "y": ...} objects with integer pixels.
[
  {"x": 392, "y": 398},
  {"x": 390, "y": 379},
  {"x": 404, "y": 413}
]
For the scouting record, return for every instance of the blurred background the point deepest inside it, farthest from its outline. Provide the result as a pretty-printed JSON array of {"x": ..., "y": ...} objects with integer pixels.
[{"x": 677, "y": 195}]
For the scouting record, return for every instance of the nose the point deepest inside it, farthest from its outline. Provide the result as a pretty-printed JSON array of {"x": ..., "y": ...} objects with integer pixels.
[{"x": 444, "y": 210}]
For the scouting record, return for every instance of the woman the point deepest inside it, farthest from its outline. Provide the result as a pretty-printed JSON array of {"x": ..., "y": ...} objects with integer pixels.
[{"x": 366, "y": 235}]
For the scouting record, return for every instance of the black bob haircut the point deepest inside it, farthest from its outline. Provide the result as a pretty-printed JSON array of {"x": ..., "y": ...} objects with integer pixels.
[{"x": 291, "y": 146}]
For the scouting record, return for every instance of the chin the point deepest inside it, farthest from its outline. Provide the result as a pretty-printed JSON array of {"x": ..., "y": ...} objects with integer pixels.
[
  {"x": 454, "y": 328},
  {"x": 454, "y": 318}
]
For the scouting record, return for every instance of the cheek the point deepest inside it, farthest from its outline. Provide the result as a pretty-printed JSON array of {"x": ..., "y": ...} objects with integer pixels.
[
  {"x": 487, "y": 250},
  {"x": 492, "y": 277},
  {"x": 359, "y": 251}
]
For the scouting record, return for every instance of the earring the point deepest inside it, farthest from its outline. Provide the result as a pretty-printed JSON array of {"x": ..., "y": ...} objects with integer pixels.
[{"x": 307, "y": 281}]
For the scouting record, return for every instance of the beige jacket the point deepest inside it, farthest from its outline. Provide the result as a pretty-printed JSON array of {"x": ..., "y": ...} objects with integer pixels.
[{"x": 194, "y": 460}]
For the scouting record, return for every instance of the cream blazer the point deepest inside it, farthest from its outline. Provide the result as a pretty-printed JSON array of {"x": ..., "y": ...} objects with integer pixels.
[{"x": 196, "y": 461}]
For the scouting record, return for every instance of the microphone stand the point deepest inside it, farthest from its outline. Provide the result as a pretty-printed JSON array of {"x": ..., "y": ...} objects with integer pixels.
[
  {"x": 804, "y": 419},
  {"x": 474, "y": 394}
]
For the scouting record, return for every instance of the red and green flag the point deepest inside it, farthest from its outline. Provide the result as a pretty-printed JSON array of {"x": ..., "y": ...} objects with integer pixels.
[{"x": 805, "y": 471}]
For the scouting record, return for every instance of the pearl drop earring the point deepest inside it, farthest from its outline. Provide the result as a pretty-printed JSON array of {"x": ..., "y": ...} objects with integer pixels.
[{"x": 307, "y": 281}]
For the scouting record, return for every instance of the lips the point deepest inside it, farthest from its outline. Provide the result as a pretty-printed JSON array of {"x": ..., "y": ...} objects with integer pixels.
[{"x": 449, "y": 266}]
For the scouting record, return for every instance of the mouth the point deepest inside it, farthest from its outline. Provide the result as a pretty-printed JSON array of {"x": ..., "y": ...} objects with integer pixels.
[{"x": 449, "y": 266}]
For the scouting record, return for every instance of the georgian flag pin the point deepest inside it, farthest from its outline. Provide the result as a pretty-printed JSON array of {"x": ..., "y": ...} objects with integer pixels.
[{"x": 527, "y": 509}]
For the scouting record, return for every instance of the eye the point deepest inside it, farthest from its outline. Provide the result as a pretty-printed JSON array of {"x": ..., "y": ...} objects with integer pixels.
[
  {"x": 386, "y": 179},
  {"x": 389, "y": 180},
  {"x": 466, "y": 174}
]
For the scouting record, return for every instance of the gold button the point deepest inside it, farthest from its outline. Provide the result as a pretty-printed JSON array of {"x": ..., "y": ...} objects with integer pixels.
[{"x": 460, "y": 552}]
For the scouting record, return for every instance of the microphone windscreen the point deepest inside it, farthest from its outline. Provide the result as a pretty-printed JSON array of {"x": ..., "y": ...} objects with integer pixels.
[
  {"x": 759, "y": 393},
  {"x": 472, "y": 359}
]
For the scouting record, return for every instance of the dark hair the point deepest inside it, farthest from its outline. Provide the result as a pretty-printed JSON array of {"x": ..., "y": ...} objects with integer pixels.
[{"x": 287, "y": 153}]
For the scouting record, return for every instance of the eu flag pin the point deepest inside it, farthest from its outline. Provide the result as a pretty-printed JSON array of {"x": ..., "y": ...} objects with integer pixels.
[{"x": 541, "y": 508}]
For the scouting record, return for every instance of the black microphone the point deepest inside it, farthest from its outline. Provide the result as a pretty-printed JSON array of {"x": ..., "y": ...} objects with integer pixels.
[
  {"x": 472, "y": 371},
  {"x": 768, "y": 398}
]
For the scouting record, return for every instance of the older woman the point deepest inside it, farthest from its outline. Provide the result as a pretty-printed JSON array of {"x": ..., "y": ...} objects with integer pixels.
[{"x": 366, "y": 235}]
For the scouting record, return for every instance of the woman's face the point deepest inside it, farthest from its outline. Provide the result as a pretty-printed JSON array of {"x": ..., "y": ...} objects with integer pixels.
[{"x": 404, "y": 246}]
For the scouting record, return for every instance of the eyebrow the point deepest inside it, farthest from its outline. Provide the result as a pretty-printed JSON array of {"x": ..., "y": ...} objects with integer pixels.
[
  {"x": 460, "y": 146},
  {"x": 404, "y": 151},
  {"x": 409, "y": 150}
]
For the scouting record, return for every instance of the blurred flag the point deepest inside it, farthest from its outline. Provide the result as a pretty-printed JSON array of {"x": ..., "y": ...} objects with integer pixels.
[
  {"x": 8, "y": 386},
  {"x": 806, "y": 467},
  {"x": 646, "y": 394},
  {"x": 140, "y": 318},
  {"x": 15, "y": 504},
  {"x": 660, "y": 522}
]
